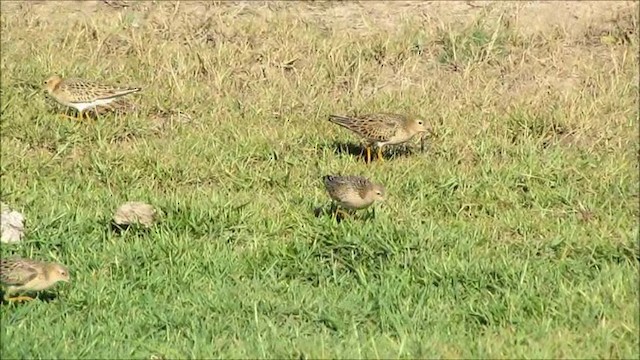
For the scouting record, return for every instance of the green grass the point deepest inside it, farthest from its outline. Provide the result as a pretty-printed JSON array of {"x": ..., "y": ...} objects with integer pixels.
[{"x": 514, "y": 235}]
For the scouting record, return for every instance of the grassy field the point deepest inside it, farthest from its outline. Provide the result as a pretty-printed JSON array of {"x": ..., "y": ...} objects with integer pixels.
[{"x": 514, "y": 234}]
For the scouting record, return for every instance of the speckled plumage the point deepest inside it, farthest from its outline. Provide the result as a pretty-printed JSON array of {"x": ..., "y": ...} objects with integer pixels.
[
  {"x": 83, "y": 94},
  {"x": 20, "y": 274},
  {"x": 353, "y": 192},
  {"x": 382, "y": 129}
]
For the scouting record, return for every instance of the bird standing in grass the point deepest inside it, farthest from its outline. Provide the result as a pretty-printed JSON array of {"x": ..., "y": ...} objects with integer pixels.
[
  {"x": 382, "y": 129},
  {"x": 82, "y": 94},
  {"x": 353, "y": 192},
  {"x": 21, "y": 275}
]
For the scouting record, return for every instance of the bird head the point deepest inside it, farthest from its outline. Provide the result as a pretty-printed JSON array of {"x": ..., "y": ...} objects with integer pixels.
[
  {"x": 417, "y": 126},
  {"x": 376, "y": 193},
  {"x": 51, "y": 83},
  {"x": 58, "y": 272}
]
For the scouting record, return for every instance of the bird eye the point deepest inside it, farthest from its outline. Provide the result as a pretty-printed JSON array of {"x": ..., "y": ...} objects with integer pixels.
[{"x": 419, "y": 122}]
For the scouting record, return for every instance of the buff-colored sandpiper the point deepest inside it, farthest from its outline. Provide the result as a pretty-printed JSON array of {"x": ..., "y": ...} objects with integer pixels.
[
  {"x": 382, "y": 129},
  {"x": 23, "y": 275},
  {"x": 83, "y": 94},
  {"x": 353, "y": 192}
]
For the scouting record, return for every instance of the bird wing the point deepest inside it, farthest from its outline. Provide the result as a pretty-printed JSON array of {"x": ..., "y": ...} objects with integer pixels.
[
  {"x": 361, "y": 185},
  {"x": 335, "y": 183},
  {"x": 379, "y": 126},
  {"x": 83, "y": 91},
  {"x": 17, "y": 272}
]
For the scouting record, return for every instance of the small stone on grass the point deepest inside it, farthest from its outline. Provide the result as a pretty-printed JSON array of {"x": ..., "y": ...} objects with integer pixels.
[
  {"x": 135, "y": 212},
  {"x": 12, "y": 224}
]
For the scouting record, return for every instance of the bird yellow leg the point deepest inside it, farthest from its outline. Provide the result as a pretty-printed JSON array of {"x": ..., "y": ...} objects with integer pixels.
[
  {"x": 19, "y": 298},
  {"x": 68, "y": 117},
  {"x": 344, "y": 213},
  {"x": 368, "y": 154},
  {"x": 380, "y": 154}
]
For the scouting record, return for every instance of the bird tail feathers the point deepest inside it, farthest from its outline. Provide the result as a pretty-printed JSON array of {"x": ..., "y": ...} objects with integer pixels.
[{"x": 340, "y": 120}]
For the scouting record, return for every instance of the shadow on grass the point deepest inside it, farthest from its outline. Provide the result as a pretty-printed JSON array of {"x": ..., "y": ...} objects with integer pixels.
[
  {"x": 42, "y": 296},
  {"x": 120, "y": 229},
  {"x": 388, "y": 152},
  {"x": 349, "y": 148},
  {"x": 339, "y": 217}
]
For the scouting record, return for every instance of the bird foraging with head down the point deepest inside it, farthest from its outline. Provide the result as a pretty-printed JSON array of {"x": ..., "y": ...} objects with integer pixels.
[{"x": 353, "y": 192}]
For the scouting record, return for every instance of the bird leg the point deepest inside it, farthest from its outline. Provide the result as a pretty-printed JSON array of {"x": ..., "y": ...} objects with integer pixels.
[
  {"x": 340, "y": 211},
  {"x": 95, "y": 110},
  {"x": 380, "y": 154},
  {"x": 19, "y": 298},
  {"x": 69, "y": 117},
  {"x": 66, "y": 115},
  {"x": 368, "y": 153}
]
